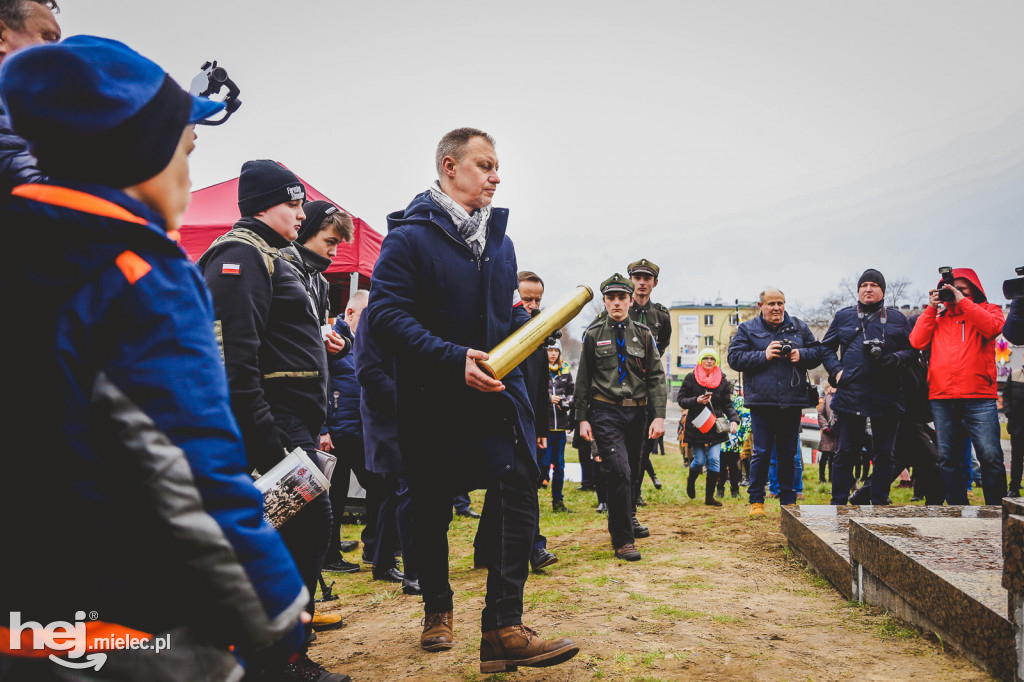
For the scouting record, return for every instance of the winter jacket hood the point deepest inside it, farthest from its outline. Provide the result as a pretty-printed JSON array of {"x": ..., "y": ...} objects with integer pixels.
[{"x": 977, "y": 293}]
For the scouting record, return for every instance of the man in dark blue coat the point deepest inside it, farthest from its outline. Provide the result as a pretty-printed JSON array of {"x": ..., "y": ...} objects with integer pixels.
[
  {"x": 774, "y": 352},
  {"x": 443, "y": 291},
  {"x": 874, "y": 341},
  {"x": 22, "y": 23}
]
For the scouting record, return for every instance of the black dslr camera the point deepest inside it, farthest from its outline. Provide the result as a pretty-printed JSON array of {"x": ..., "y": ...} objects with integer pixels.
[
  {"x": 787, "y": 348},
  {"x": 874, "y": 348},
  {"x": 1014, "y": 288},
  {"x": 946, "y": 295}
]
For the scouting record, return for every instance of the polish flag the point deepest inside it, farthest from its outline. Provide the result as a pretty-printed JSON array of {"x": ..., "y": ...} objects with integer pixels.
[{"x": 704, "y": 421}]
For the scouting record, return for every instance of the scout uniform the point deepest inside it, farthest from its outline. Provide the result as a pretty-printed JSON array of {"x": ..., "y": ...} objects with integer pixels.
[{"x": 620, "y": 371}]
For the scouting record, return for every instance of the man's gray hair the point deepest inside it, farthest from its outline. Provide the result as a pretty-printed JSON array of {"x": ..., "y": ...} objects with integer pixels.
[
  {"x": 358, "y": 300},
  {"x": 769, "y": 290},
  {"x": 453, "y": 144},
  {"x": 15, "y": 12}
]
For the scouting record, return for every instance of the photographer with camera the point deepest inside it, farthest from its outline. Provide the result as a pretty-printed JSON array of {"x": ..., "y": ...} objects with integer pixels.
[
  {"x": 1013, "y": 289},
  {"x": 873, "y": 341},
  {"x": 960, "y": 326},
  {"x": 774, "y": 352}
]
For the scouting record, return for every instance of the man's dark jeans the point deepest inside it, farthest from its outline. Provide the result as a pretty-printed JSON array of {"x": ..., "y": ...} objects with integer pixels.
[
  {"x": 955, "y": 419},
  {"x": 349, "y": 450},
  {"x": 394, "y": 527},
  {"x": 775, "y": 428},
  {"x": 880, "y": 450},
  {"x": 554, "y": 454},
  {"x": 510, "y": 507},
  {"x": 618, "y": 440}
]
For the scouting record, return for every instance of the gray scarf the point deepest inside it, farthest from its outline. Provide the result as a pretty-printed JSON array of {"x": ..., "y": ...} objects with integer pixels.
[{"x": 471, "y": 226}]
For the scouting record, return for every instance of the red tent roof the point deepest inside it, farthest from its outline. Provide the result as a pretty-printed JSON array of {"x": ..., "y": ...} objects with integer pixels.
[{"x": 214, "y": 210}]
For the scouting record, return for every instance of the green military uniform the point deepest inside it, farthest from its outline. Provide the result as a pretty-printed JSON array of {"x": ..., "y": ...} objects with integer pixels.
[{"x": 620, "y": 374}]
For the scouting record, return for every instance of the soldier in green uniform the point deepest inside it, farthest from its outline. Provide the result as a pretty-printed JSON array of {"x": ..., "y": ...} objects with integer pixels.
[{"x": 620, "y": 374}]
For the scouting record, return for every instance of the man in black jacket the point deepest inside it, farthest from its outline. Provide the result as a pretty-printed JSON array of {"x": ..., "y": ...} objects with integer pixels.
[
  {"x": 273, "y": 348},
  {"x": 22, "y": 23}
]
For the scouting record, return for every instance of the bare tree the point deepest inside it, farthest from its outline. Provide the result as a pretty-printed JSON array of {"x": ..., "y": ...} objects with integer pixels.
[{"x": 897, "y": 292}]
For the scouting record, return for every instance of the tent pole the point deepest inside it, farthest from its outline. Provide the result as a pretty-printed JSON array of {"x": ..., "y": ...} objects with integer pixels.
[{"x": 353, "y": 283}]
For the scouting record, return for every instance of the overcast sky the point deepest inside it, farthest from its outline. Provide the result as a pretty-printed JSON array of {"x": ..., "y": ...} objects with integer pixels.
[{"x": 736, "y": 144}]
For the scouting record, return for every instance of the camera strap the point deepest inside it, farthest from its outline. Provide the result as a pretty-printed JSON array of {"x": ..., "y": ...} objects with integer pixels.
[{"x": 865, "y": 317}]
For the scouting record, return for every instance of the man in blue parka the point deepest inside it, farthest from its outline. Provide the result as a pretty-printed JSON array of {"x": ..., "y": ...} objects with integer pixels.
[
  {"x": 873, "y": 342},
  {"x": 774, "y": 352},
  {"x": 121, "y": 451},
  {"x": 443, "y": 294}
]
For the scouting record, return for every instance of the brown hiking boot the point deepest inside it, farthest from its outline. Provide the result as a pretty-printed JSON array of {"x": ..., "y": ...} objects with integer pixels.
[
  {"x": 437, "y": 632},
  {"x": 627, "y": 552},
  {"x": 505, "y": 649}
]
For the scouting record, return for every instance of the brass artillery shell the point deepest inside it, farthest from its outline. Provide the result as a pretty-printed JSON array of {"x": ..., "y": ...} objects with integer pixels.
[{"x": 513, "y": 350}]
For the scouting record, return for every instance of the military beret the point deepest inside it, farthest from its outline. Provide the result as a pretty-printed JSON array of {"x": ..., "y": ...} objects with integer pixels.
[
  {"x": 616, "y": 283},
  {"x": 643, "y": 267}
]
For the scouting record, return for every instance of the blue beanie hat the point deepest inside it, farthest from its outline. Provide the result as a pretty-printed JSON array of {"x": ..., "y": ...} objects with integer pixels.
[
  {"x": 94, "y": 110},
  {"x": 264, "y": 183}
]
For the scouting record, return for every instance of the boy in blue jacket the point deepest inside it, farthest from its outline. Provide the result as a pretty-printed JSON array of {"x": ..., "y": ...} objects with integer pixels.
[{"x": 142, "y": 480}]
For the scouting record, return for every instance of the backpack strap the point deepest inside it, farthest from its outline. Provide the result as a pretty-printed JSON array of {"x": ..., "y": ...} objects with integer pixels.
[{"x": 247, "y": 236}]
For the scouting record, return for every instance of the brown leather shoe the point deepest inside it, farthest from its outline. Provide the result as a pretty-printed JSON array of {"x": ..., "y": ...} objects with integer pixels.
[
  {"x": 437, "y": 632},
  {"x": 505, "y": 649},
  {"x": 627, "y": 552}
]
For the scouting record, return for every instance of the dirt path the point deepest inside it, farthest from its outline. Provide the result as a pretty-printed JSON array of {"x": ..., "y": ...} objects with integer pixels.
[{"x": 716, "y": 596}]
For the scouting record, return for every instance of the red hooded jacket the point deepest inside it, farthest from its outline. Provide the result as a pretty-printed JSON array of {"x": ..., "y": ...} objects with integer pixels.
[{"x": 963, "y": 343}]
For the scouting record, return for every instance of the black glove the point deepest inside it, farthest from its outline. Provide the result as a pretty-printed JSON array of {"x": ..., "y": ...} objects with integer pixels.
[
  {"x": 550, "y": 341},
  {"x": 267, "y": 448},
  {"x": 888, "y": 361}
]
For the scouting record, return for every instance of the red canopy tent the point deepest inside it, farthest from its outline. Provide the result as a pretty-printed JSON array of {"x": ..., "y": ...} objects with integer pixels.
[{"x": 214, "y": 210}]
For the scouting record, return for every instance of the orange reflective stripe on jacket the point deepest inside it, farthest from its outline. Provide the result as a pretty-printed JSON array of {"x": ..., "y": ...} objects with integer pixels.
[{"x": 76, "y": 200}]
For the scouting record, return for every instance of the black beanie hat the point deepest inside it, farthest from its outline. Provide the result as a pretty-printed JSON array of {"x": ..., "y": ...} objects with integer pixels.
[
  {"x": 264, "y": 183},
  {"x": 315, "y": 212},
  {"x": 872, "y": 275}
]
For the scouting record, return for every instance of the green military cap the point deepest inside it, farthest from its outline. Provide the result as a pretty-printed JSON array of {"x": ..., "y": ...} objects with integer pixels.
[
  {"x": 643, "y": 267},
  {"x": 616, "y": 283}
]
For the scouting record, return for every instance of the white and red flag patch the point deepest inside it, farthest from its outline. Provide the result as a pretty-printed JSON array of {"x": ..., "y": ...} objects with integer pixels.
[
  {"x": 704, "y": 421},
  {"x": 231, "y": 269},
  {"x": 606, "y": 342}
]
